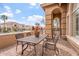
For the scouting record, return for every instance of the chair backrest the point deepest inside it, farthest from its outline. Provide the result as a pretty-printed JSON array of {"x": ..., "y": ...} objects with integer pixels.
[
  {"x": 28, "y": 34},
  {"x": 18, "y": 36},
  {"x": 56, "y": 37},
  {"x": 48, "y": 38}
]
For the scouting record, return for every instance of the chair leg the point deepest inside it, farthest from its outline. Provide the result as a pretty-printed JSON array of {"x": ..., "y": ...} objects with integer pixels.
[
  {"x": 16, "y": 46},
  {"x": 57, "y": 51},
  {"x": 42, "y": 51}
]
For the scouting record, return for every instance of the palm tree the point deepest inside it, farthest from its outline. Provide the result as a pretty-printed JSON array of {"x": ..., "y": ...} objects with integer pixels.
[{"x": 4, "y": 18}]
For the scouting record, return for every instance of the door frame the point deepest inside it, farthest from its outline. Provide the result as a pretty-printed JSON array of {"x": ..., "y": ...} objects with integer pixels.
[{"x": 59, "y": 25}]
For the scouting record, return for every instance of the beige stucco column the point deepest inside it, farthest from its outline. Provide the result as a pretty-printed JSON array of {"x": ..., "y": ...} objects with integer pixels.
[
  {"x": 63, "y": 24},
  {"x": 70, "y": 20},
  {"x": 48, "y": 28}
]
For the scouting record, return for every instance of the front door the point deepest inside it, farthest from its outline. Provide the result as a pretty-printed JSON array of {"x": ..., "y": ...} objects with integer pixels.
[{"x": 56, "y": 26}]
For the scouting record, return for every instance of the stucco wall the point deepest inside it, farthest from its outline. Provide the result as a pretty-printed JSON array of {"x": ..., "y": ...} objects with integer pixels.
[
  {"x": 71, "y": 28},
  {"x": 74, "y": 42},
  {"x": 9, "y": 39}
]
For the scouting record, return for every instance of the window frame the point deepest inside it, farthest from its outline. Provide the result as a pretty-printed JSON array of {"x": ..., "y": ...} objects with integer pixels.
[{"x": 76, "y": 19}]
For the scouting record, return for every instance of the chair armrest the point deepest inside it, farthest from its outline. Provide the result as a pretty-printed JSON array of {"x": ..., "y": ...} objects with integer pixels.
[{"x": 51, "y": 43}]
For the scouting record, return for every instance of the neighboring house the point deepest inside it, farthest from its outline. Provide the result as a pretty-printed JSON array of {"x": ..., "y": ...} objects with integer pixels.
[{"x": 20, "y": 27}]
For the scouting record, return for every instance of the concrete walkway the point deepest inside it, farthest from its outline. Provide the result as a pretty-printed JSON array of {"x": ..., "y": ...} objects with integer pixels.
[{"x": 64, "y": 47}]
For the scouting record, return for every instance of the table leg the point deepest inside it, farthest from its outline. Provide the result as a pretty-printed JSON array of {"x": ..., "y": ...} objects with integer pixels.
[
  {"x": 42, "y": 51},
  {"x": 35, "y": 49},
  {"x": 22, "y": 50},
  {"x": 16, "y": 46}
]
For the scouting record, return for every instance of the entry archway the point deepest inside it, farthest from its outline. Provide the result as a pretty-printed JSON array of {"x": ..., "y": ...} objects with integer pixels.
[
  {"x": 51, "y": 12},
  {"x": 56, "y": 22}
]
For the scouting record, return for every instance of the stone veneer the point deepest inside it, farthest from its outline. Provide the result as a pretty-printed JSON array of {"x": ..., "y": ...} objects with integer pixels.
[{"x": 49, "y": 9}]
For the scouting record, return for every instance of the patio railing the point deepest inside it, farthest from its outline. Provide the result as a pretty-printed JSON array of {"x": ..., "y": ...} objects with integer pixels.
[{"x": 7, "y": 39}]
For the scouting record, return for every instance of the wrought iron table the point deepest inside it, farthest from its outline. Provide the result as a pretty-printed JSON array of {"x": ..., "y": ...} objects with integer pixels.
[{"x": 31, "y": 40}]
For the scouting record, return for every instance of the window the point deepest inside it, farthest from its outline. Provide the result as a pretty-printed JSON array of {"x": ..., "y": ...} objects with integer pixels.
[{"x": 77, "y": 24}]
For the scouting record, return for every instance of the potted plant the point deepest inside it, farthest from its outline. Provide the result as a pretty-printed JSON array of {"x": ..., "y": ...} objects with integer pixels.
[{"x": 37, "y": 30}]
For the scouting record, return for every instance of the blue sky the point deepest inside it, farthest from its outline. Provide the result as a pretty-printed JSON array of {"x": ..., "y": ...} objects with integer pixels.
[{"x": 24, "y": 13}]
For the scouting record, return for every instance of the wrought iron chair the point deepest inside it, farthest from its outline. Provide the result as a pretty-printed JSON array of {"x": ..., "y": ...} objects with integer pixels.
[
  {"x": 18, "y": 36},
  {"x": 28, "y": 34},
  {"x": 51, "y": 44}
]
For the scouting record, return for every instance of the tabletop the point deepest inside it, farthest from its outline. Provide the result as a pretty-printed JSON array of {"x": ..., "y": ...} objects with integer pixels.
[{"x": 33, "y": 39}]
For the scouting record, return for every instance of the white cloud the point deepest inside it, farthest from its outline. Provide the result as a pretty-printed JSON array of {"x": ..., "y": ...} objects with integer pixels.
[
  {"x": 7, "y": 7},
  {"x": 23, "y": 17},
  {"x": 32, "y": 4},
  {"x": 8, "y": 20},
  {"x": 11, "y": 20},
  {"x": 42, "y": 25},
  {"x": 18, "y": 11},
  {"x": 34, "y": 19},
  {"x": 34, "y": 7},
  {"x": 9, "y": 14},
  {"x": 1, "y": 21},
  {"x": 8, "y": 11}
]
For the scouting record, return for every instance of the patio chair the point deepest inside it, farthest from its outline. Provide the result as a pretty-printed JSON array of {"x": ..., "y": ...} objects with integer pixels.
[
  {"x": 51, "y": 44},
  {"x": 28, "y": 34},
  {"x": 18, "y": 36}
]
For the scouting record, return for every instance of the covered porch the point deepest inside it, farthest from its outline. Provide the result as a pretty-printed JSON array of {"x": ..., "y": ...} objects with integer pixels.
[{"x": 56, "y": 21}]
